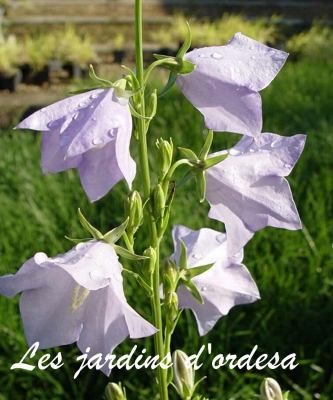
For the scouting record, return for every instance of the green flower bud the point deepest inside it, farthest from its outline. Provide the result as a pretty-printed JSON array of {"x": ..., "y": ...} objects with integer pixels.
[
  {"x": 170, "y": 275},
  {"x": 270, "y": 390},
  {"x": 165, "y": 152},
  {"x": 114, "y": 392},
  {"x": 149, "y": 265},
  {"x": 133, "y": 210},
  {"x": 158, "y": 201},
  {"x": 151, "y": 104},
  {"x": 171, "y": 304},
  {"x": 183, "y": 374}
]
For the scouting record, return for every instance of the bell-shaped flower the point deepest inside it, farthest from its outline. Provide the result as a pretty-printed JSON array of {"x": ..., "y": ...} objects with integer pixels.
[
  {"x": 226, "y": 284},
  {"x": 247, "y": 191},
  {"x": 89, "y": 131},
  {"x": 225, "y": 83},
  {"x": 76, "y": 297}
]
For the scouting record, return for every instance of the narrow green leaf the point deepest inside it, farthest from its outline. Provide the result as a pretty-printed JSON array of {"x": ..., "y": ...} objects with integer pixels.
[
  {"x": 201, "y": 185},
  {"x": 88, "y": 227},
  {"x": 136, "y": 83},
  {"x": 286, "y": 395},
  {"x": 140, "y": 281},
  {"x": 194, "y": 291},
  {"x": 93, "y": 76},
  {"x": 127, "y": 254},
  {"x": 206, "y": 147},
  {"x": 186, "y": 67},
  {"x": 115, "y": 234},
  {"x": 183, "y": 256},
  {"x": 137, "y": 115},
  {"x": 197, "y": 383},
  {"x": 210, "y": 162},
  {"x": 162, "y": 57},
  {"x": 171, "y": 81},
  {"x": 187, "y": 44},
  {"x": 188, "y": 176},
  {"x": 169, "y": 376},
  {"x": 86, "y": 90},
  {"x": 188, "y": 153},
  {"x": 192, "y": 272}
]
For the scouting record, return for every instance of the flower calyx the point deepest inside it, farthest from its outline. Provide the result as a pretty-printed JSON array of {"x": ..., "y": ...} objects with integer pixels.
[
  {"x": 115, "y": 392},
  {"x": 110, "y": 237}
]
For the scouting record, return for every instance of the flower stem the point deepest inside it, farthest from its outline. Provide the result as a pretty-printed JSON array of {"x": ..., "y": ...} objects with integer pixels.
[{"x": 154, "y": 241}]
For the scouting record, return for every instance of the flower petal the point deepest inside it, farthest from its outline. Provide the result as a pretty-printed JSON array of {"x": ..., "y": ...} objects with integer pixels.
[
  {"x": 247, "y": 190},
  {"x": 224, "y": 84}
]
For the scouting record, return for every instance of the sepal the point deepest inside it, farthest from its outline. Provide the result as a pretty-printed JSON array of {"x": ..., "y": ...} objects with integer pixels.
[
  {"x": 116, "y": 233},
  {"x": 127, "y": 254},
  {"x": 96, "y": 234},
  {"x": 210, "y": 162}
]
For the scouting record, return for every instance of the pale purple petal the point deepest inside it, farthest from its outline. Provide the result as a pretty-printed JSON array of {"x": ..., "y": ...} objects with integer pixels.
[
  {"x": 248, "y": 191},
  {"x": 226, "y": 284},
  {"x": 224, "y": 84},
  {"x": 53, "y": 158}
]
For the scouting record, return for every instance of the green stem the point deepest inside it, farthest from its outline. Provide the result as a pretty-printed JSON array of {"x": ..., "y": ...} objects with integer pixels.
[
  {"x": 171, "y": 171},
  {"x": 128, "y": 243},
  {"x": 143, "y": 154}
]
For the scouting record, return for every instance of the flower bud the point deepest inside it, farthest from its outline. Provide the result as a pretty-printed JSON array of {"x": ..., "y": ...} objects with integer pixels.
[
  {"x": 171, "y": 304},
  {"x": 158, "y": 200},
  {"x": 183, "y": 374},
  {"x": 270, "y": 390},
  {"x": 133, "y": 210},
  {"x": 149, "y": 265},
  {"x": 165, "y": 151},
  {"x": 114, "y": 392},
  {"x": 170, "y": 275}
]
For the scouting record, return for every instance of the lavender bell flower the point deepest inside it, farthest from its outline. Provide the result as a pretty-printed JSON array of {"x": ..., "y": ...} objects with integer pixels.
[
  {"x": 89, "y": 131},
  {"x": 226, "y": 284},
  {"x": 247, "y": 191},
  {"x": 225, "y": 83},
  {"x": 76, "y": 297}
]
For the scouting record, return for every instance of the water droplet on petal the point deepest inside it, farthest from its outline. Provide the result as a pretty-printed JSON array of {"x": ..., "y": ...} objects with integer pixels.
[
  {"x": 94, "y": 96},
  {"x": 97, "y": 276},
  {"x": 94, "y": 119},
  {"x": 235, "y": 152},
  {"x": 101, "y": 105},
  {"x": 217, "y": 56},
  {"x": 78, "y": 116},
  {"x": 40, "y": 258},
  {"x": 81, "y": 246},
  {"x": 91, "y": 106},
  {"x": 253, "y": 57},
  {"x": 97, "y": 141},
  {"x": 54, "y": 124},
  {"x": 81, "y": 104},
  {"x": 87, "y": 255},
  {"x": 288, "y": 166},
  {"x": 238, "y": 254},
  {"x": 112, "y": 133},
  {"x": 221, "y": 238},
  {"x": 197, "y": 256},
  {"x": 252, "y": 48},
  {"x": 43, "y": 110},
  {"x": 253, "y": 149},
  {"x": 203, "y": 55},
  {"x": 204, "y": 289},
  {"x": 276, "y": 144}
]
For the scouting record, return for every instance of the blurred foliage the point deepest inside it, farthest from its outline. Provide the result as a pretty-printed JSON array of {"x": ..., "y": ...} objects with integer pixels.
[{"x": 10, "y": 55}]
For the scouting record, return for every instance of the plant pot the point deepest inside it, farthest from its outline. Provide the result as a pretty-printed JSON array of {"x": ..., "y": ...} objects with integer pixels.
[
  {"x": 75, "y": 71},
  {"x": 119, "y": 56},
  {"x": 26, "y": 72},
  {"x": 40, "y": 77},
  {"x": 55, "y": 66},
  {"x": 10, "y": 82}
]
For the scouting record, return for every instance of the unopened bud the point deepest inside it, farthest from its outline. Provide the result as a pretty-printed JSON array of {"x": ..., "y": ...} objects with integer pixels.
[
  {"x": 165, "y": 151},
  {"x": 170, "y": 275},
  {"x": 134, "y": 211},
  {"x": 183, "y": 374},
  {"x": 151, "y": 104},
  {"x": 150, "y": 264},
  {"x": 171, "y": 304},
  {"x": 270, "y": 390},
  {"x": 114, "y": 392},
  {"x": 158, "y": 200}
]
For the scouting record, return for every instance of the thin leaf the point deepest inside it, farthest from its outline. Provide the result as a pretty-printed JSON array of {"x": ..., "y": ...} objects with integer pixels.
[
  {"x": 188, "y": 153},
  {"x": 168, "y": 86},
  {"x": 77, "y": 240},
  {"x": 127, "y": 254},
  {"x": 115, "y": 234},
  {"x": 140, "y": 281},
  {"x": 183, "y": 256},
  {"x": 87, "y": 226},
  {"x": 210, "y": 162},
  {"x": 192, "y": 272},
  {"x": 206, "y": 147},
  {"x": 187, "y": 44}
]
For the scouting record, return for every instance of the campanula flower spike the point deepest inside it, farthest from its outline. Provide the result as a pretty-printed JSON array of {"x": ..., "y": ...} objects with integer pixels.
[
  {"x": 226, "y": 284},
  {"x": 225, "y": 83},
  {"x": 247, "y": 191},
  {"x": 76, "y": 297},
  {"x": 90, "y": 131}
]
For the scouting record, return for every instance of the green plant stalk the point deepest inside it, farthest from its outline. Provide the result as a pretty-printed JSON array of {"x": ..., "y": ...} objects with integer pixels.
[{"x": 155, "y": 243}]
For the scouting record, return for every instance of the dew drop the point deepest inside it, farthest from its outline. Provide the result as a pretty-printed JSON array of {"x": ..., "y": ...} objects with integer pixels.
[
  {"x": 220, "y": 238},
  {"x": 97, "y": 141},
  {"x": 253, "y": 57},
  {"x": 97, "y": 276},
  {"x": 203, "y": 55},
  {"x": 54, "y": 124},
  {"x": 94, "y": 96},
  {"x": 197, "y": 256},
  {"x": 91, "y": 106},
  {"x": 43, "y": 110},
  {"x": 288, "y": 166},
  {"x": 238, "y": 254},
  {"x": 253, "y": 150},
  {"x": 94, "y": 119},
  {"x": 217, "y": 56},
  {"x": 78, "y": 116},
  {"x": 81, "y": 104},
  {"x": 81, "y": 246},
  {"x": 112, "y": 133},
  {"x": 40, "y": 258},
  {"x": 101, "y": 105},
  {"x": 87, "y": 255},
  {"x": 235, "y": 152},
  {"x": 276, "y": 144},
  {"x": 204, "y": 289},
  {"x": 252, "y": 48}
]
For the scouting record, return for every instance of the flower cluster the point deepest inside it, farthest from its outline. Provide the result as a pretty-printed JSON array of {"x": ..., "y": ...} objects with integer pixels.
[{"x": 78, "y": 296}]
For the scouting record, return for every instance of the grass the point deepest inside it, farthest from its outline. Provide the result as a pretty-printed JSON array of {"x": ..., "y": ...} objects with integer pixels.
[{"x": 293, "y": 270}]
